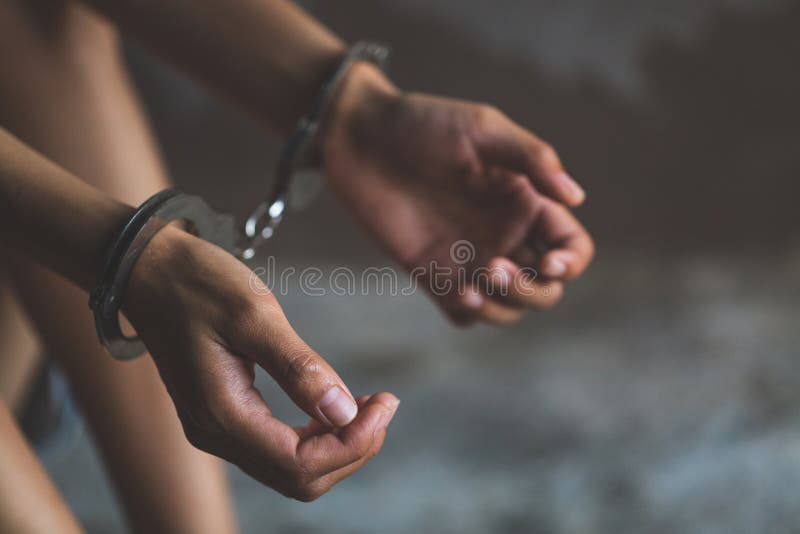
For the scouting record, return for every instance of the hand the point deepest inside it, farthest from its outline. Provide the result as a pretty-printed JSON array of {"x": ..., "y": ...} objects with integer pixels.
[
  {"x": 207, "y": 327},
  {"x": 423, "y": 174}
]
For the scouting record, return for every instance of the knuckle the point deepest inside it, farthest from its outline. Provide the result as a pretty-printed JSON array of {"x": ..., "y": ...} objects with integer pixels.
[
  {"x": 360, "y": 447},
  {"x": 245, "y": 314},
  {"x": 488, "y": 113},
  {"x": 363, "y": 450},
  {"x": 465, "y": 161},
  {"x": 248, "y": 311},
  {"x": 486, "y": 119},
  {"x": 302, "y": 484},
  {"x": 300, "y": 473},
  {"x": 308, "y": 492},
  {"x": 302, "y": 366},
  {"x": 546, "y": 154}
]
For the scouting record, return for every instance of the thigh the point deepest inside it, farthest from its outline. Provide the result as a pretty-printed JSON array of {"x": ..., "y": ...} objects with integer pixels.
[
  {"x": 72, "y": 100},
  {"x": 66, "y": 92},
  {"x": 165, "y": 484},
  {"x": 19, "y": 352},
  {"x": 28, "y": 500}
]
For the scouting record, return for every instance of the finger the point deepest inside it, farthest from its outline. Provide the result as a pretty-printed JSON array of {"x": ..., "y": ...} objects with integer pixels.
[
  {"x": 326, "y": 482},
  {"x": 250, "y": 428},
  {"x": 315, "y": 428},
  {"x": 495, "y": 312},
  {"x": 493, "y": 305},
  {"x": 267, "y": 337},
  {"x": 521, "y": 286},
  {"x": 466, "y": 307},
  {"x": 502, "y": 142},
  {"x": 272, "y": 452},
  {"x": 569, "y": 246},
  {"x": 489, "y": 287},
  {"x": 526, "y": 256},
  {"x": 459, "y": 306},
  {"x": 325, "y": 453}
]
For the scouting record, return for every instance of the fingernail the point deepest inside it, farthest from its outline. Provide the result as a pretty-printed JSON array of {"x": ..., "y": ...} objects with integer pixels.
[
  {"x": 472, "y": 299},
  {"x": 555, "y": 268},
  {"x": 571, "y": 187},
  {"x": 393, "y": 403},
  {"x": 338, "y": 407},
  {"x": 386, "y": 416}
]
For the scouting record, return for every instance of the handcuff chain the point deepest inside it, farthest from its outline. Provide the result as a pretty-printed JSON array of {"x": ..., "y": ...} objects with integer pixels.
[
  {"x": 265, "y": 218},
  {"x": 172, "y": 205}
]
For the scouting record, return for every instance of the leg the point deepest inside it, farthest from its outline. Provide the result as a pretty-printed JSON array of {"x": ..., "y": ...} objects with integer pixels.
[
  {"x": 66, "y": 93},
  {"x": 19, "y": 355},
  {"x": 28, "y": 500}
]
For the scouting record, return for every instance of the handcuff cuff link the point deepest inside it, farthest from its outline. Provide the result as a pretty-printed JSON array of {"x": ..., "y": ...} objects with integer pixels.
[{"x": 200, "y": 219}]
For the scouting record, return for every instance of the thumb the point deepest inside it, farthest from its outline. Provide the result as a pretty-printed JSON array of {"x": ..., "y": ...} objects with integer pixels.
[{"x": 303, "y": 374}]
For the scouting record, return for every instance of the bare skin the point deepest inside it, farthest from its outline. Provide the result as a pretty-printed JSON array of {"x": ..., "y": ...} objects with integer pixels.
[
  {"x": 439, "y": 169},
  {"x": 422, "y": 173},
  {"x": 193, "y": 306},
  {"x": 208, "y": 365},
  {"x": 19, "y": 355},
  {"x": 28, "y": 500},
  {"x": 385, "y": 145},
  {"x": 164, "y": 484}
]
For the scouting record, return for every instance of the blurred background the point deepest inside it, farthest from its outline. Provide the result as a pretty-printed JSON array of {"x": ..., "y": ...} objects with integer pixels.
[{"x": 663, "y": 394}]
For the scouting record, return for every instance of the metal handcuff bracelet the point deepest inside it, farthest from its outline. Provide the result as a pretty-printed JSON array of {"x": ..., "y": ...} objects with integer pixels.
[{"x": 200, "y": 219}]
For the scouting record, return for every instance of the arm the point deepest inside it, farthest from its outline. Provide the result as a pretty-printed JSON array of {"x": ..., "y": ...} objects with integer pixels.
[
  {"x": 267, "y": 56},
  {"x": 52, "y": 217},
  {"x": 206, "y": 329},
  {"x": 73, "y": 74},
  {"x": 420, "y": 173}
]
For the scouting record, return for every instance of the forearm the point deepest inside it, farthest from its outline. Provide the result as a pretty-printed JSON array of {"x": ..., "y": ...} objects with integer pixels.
[
  {"x": 268, "y": 56},
  {"x": 52, "y": 217}
]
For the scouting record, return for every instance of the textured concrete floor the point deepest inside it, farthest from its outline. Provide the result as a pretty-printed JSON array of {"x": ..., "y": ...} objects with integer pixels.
[{"x": 656, "y": 399}]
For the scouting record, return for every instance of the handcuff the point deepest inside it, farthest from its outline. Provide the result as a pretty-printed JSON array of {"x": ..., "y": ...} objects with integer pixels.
[{"x": 169, "y": 205}]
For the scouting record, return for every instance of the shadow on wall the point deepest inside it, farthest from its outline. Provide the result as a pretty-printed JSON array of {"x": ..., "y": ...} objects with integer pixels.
[{"x": 708, "y": 161}]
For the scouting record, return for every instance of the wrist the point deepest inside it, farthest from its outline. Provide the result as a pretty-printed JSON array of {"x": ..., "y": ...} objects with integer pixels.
[
  {"x": 303, "y": 78},
  {"x": 154, "y": 268},
  {"x": 361, "y": 107},
  {"x": 109, "y": 217}
]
